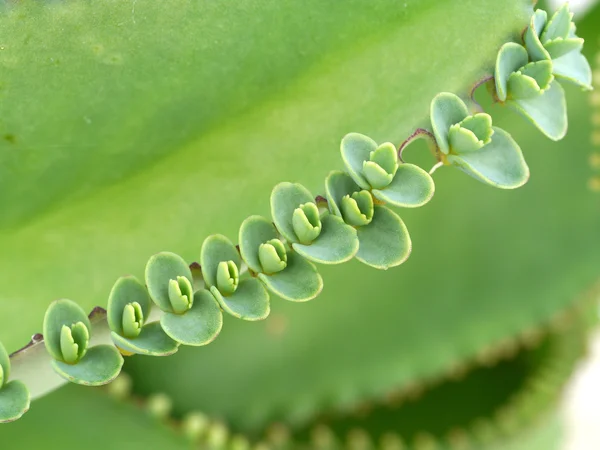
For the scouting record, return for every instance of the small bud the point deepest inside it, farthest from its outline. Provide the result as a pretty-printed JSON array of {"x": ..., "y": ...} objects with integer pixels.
[
  {"x": 272, "y": 256},
  {"x": 1, "y": 376},
  {"x": 381, "y": 167},
  {"x": 357, "y": 209},
  {"x": 471, "y": 134},
  {"x": 239, "y": 442},
  {"x": 306, "y": 223},
  {"x": 133, "y": 320},
  {"x": 531, "y": 80},
  {"x": 228, "y": 277},
  {"x": 74, "y": 342},
  {"x": 181, "y": 294},
  {"x": 194, "y": 426},
  {"x": 159, "y": 405}
]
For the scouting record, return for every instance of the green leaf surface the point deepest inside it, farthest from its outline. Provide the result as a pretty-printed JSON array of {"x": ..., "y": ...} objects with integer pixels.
[
  {"x": 298, "y": 282},
  {"x": 446, "y": 110},
  {"x": 548, "y": 112},
  {"x": 355, "y": 149},
  {"x": 500, "y": 163},
  {"x": 254, "y": 231},
  {"x": 250, "y": 301},
  {"x": 60, "y": 313},
  {"x": 561, "y": 47},
  {"x": 511, "y": 57},
  {"x": 160, "y": 270},
  {"x": 200, "y": 325},
  {"x": 125, "y": 291},
  {"x": 385, "y": 242},
  {"x": 336, "y": 244},
  {"x": 216, "y": 249},
  {"x": 152, "y": 340},
  {"x": 14, "y": 401},
  {"x": 559, "y": 24},
  {"x": 574, "y": 68},
  {"x": 411, "y": 187},
  {"x": 99, "y": 366},
  {"x": 337, "y": 185},
  {"x": 534, "y": 45}
]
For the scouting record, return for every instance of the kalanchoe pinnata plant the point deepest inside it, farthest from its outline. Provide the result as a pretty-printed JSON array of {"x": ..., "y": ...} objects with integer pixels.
[
  {"x": 129, "y": 306},
  {"x": 221, "y": 268},
  {"x": 472, "y": 144},
  {"x": 190, "y": 318},
  {"x": 531, "y": 89},
  {"x": 14, "y": 395},
  {"x": 319, "y": 237},
  {"x": 355, "y": 221},
  {"x": 284, "y": 272},
  {"x": 555, "y": 40},
  {"x": 67, "y": 331}
]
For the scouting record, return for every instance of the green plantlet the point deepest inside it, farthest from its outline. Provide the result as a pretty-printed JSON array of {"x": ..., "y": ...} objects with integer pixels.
[
  {"x": 489, "y": 154},
  {"x": 357, "y": 208},
  {"x": 383, "y": 239},
  {"x": 272, "y": 256},
  {"x": 530, "y": 89},
  {"x": 14, "y": 395},
  {"x": 129, "y": 306},
  {"x": 379, "y": 171},
  {"x": 334, "y": 243},
  {"x": 284, "y": 273},
  {"x": 228, "y": 277},
  {"x": 245, "y": 299},
  {"x": 67, "y": 332},
  {"x": 188, "y": 318},
  {"x": 555, "y": 40},
  {"x": 404, "y": 185}
]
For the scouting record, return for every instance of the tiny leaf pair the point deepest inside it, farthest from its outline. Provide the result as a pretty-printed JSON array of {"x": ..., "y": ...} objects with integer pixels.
[
  {"x": 285, "y": 273},
  {"x": 129, "y": 306},
  {"x": 14, "y": 395},
  {"x": 67, "y": 332},
  {"x": 321, "y": 238},
  {"x": 471, "y": 143},
  {"x": 531, "y": 89},
  {"x": 190, "y": 318},
  {"x": 555, "y": 40},
  {"x": 221, "y": 262}
]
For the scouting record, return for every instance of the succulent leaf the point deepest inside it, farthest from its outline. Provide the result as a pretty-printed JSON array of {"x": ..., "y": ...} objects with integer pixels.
[
  {"x": 548, "y": 112},
  {"x": 510, "y": 59},
  {"x": 411, "y": 187},
  {"x": 228, "y": 277},
  {"x": 152, "y": 340},
  {"x": 531, "y": 80},
  {"x": 100, "y": 366},
  {"x": 384, "y": 242},
  {"x": 250, "y": 301},
  {"x": 499, "y": 163},
  {"x": 74, "y": 341},
  {"x": 220, "y": 261},
  {"x": 299, "y": 282},
  {"x": 337, "y": 243},
  {"x": 260, "y": 247},
  {"x": 14, "y": 401},
  {"x": 198, "y": 326},
  {"x": 574, "y": 68},
  {"x": 133, "y": 320}
]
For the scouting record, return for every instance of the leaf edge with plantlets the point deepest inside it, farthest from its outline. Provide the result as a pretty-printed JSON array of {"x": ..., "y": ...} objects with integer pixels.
[{"x": 329, "y": 235}]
